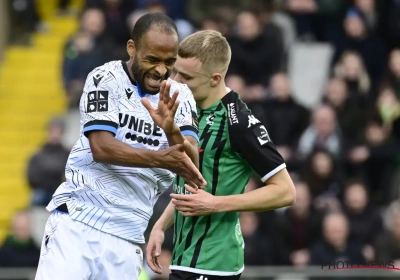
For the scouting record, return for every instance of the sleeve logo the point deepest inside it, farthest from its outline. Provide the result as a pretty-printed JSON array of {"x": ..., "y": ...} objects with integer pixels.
[
  {"x": 97, "y": 101},
  {"x": 262, "y": 135},
  {"x": 232, "y": 114},
  {"x": 253, "y": 120}
]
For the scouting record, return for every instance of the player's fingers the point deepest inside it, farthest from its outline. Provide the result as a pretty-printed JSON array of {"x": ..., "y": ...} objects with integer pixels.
[
  {"x": 172, "y": 101},
  {"x": 166, "y": 97},
  {"x": 175, "y": 107},
  {"x": 191, "y": 189},
  {"x": 162, "y": 89},
  {"x": 177, "y": 197},
  {"x": 153, "y": 266},
  {"x": 157, "y": 265},
  {"x": 146, "y": 103},
  {"x": 186, "y": 213}
]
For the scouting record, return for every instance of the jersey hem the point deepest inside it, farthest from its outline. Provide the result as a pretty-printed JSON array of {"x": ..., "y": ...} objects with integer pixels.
[
  {"x": 204, "y": 271},
  {"x": 273, "y": 172}
]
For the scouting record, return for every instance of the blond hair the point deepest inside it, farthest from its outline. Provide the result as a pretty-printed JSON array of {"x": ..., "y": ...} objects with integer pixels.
[{"x": 210, "y": 47}]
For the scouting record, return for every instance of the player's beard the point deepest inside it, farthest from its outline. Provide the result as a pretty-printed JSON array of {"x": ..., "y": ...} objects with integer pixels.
[{"x": 140, "y": 77}]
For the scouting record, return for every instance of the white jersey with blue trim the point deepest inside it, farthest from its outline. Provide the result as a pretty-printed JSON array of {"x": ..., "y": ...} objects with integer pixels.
[{"x": 115, "y": 199}]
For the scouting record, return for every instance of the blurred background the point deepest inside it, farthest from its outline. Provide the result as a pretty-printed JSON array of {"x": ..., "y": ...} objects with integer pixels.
[{"x": 324, "y": 75}]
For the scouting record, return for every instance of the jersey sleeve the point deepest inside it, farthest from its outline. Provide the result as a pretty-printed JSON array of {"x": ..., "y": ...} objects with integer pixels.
[
  {"x": 99, "y": 102},
  {"x": 186, "y": 115},
  {"x": 251, "y": 140}
]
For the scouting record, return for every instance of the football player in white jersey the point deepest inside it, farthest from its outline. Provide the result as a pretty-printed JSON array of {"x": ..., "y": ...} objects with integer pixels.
[{"x": 122, "y": 161}]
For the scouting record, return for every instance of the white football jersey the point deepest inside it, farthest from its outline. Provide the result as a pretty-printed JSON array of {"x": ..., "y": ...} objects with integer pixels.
[{"x": 114, "y": 199}]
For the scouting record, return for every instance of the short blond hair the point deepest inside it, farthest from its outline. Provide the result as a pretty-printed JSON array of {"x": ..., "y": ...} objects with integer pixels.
[{"x": 210, "y": 47}]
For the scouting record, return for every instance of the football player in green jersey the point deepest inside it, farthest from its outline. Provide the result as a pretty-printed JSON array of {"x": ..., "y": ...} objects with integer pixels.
[{"x": 208, "y": 243}]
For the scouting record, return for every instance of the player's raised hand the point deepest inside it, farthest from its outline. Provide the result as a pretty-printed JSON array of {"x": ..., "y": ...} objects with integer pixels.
[
  {"x": 178, "y": 162},
  {"x": 164, "y": 115},
  {"x": 153, "y": 250},
  {"x": 199, "y": 203}
]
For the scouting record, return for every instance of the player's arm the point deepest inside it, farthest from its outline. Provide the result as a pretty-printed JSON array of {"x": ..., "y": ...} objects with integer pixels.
[
  {"x": 256, "y": 147},
  {"x": 166, "y": 220},
  {"x": 100, "y": 115}
]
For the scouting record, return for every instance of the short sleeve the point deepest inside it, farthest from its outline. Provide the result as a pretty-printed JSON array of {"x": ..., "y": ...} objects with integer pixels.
[
  {"x": 186, "y": 115},
  {"x": 99, "y": 102},
  {"x": 251, "y": 140}
]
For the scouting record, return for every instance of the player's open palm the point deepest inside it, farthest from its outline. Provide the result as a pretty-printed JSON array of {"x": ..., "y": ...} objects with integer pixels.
[
  {"x": 153, "y": 250},
  {"x": 164, "y": 115}
]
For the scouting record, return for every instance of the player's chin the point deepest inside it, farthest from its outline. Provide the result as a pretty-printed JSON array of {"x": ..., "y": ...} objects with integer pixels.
[{"x": 151, "y": 89}]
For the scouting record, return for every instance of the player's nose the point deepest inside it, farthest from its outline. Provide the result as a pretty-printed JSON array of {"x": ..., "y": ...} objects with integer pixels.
[{"x": 161, "y": 70}]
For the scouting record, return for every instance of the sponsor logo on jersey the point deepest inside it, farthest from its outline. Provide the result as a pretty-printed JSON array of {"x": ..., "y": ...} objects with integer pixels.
[
  {"x": 253, "y": 120},
  {"x": 232, "y": 113},
  {"x": 262, "y": 135},
  {"x": 210, "y": 119},
  {"x": 97, "y": 101},
  {"x": 140, "y": 126}
]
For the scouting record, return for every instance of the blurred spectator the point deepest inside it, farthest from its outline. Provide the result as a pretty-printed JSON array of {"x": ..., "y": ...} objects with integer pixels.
[
  {"x": 46, "y": 167},
  {"x": 25, "y": 21},
  {"x": 257, "y": 248},
  {"x": 388, "y": 106},
  {"x": 317, "y": 19},
  {"x": 298, "y": 227},
  {"x": 184, "y": 27},
  {"x": 375, "y": 161},
  {"x": 358, "y": 38},
  {"x": 286, "y": 119},
  {"x": 392, "y": 77},
  {"x": 335, "y": 245},
  {"x": 87, "y": 49},
  {"x": 364, "y": 218},
  {"x": 348, "y": 113},
  {"x": 321, "y": 174},
  {"x": 19, "y": 250},
  {"x": 322, "y": 133},
  {"x": 387, "y": 246},
  {"x": 351, "y": 69},
  {"x": 368, "y": 8},
  {"x": 115, "y": 15},
  {"x": 256, "y": 56}
]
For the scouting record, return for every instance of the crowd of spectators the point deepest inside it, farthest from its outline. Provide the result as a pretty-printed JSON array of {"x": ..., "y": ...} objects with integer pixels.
[{"x": 343, "y": 153}]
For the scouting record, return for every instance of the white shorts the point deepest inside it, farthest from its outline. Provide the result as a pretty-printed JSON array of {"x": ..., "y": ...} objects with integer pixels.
[{"x": 72, "y": 250}]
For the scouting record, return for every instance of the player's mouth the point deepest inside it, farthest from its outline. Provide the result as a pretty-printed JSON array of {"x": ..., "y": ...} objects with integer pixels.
[{"x": 153, "y": 82}]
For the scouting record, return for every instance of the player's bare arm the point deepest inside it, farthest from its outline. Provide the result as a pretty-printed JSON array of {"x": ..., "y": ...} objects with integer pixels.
[
  {"x": 164, "y": 116},
  {"x": 107, "y": 149},
  {"x": 278, "y": 192},
  {"x": 156, "y": 239}
]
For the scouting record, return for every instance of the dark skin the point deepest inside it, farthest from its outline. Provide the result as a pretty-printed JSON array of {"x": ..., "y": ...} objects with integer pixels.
[{"x": 155, "y": 55}]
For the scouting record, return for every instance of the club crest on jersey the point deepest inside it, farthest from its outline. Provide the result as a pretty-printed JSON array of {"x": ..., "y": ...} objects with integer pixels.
[
  {"x": 210, "y": 119},
  {"x": 232, "y": 113},
  {"x": 253, "y": 120},
  {"x": 262, "y": 135},
  {"x": 97, "y": 101}
]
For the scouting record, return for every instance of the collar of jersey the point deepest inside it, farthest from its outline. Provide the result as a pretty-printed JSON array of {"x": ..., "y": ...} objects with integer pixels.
[
  {"x": 211, "y": 108},
  {"x": 125, "y": 67}
]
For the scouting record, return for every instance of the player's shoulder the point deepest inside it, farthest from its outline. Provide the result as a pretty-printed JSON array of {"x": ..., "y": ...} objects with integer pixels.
[
  {"x": 184, "y": 92},
  {"x": 239, "y": 115},
  {"x": 106, "y": 74}
]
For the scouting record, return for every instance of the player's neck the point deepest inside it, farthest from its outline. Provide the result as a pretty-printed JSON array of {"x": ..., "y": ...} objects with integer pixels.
[{"x": 215, "y": 94}]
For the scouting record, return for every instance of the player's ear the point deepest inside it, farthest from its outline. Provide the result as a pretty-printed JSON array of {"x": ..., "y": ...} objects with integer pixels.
[
  {"x": 131, "y": 48},
  {"x": 215, "y": 79}
]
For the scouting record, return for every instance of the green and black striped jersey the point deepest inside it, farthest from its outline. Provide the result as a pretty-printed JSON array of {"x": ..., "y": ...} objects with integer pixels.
[{"x": 233, "y": 144}]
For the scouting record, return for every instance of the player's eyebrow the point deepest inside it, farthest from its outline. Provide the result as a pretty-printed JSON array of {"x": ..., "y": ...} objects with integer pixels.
[
  {"x": 183, "y": 73},
  {"x": 157, "y": 59}
]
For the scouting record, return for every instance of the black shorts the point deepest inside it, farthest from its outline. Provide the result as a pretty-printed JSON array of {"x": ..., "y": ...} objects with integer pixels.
[{"x": 183, "y": 275}]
